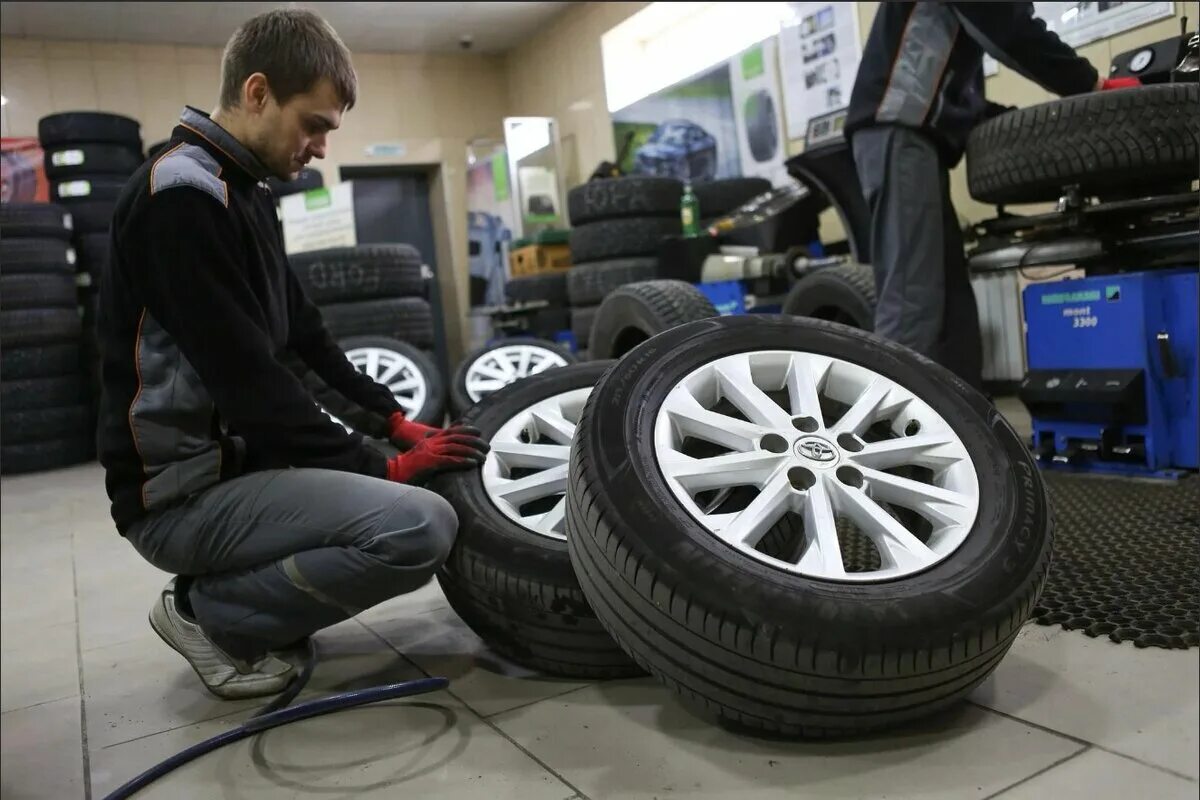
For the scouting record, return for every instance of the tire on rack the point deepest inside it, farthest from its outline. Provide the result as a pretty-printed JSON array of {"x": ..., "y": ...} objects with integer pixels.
[
  {"x": 549, "y": 286},
  {"x": 67, "y": 161},
  {"x": 409, "y": 319},
  {"x": 46, "y": 290},
  {"x": 510, "y": 582},
  {"x": 365, "y": 272},
  {"x": 635, "y": 313},
  {"x": 844, "y": 294},
  {"x": 34, "y": 220},
  {"x": 36, "y": 256},
  {"x": 830, "y": 638},
  {"x": 39, "y": 326},
  {"x": 39, "y": 424},
  {"x": 88, "y": 188},
  {"x": 46, "y": 454},
  {"x": 71, "y": 127},
  {"x": 620, "y": 238},
  {"x": 1101, "y": 141},
  {"x": 717, "y": 198},
  {"x": 91, "y": 216},
  {"x": 589, "y": 284},
  {"x": 46, "y": 361},
  {"x": 34, "y": 393},
  {"x": 626, "y": 196},
  {"x": 582, "y": 318},
  {"x": 500, "y": 363}
]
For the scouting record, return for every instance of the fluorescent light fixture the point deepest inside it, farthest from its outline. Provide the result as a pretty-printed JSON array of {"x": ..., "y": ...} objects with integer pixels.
[
  {"x": 3, "y": 100},
  {"x": 1070, "y": 14}
]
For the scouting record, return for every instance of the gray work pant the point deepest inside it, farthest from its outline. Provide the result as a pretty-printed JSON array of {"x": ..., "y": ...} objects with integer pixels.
[
  {"x": 925, "y": 300},
  {"x": 274, "y": 556}
]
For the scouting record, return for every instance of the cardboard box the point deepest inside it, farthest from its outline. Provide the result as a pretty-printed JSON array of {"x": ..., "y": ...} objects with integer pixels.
[{"x": 535, "y": 258}]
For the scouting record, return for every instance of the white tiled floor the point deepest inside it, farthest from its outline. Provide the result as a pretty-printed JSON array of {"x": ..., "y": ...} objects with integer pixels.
[{"x": 91, "y": 697}]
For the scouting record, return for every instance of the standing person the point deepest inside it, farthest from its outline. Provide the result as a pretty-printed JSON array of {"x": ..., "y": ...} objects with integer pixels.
[
  {"x": 918, "y": 93},
  {"x": 220, "y": 467}
]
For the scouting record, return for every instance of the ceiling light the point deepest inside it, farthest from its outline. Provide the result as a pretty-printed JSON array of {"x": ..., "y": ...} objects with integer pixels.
[{"x": 3, "y": 100}]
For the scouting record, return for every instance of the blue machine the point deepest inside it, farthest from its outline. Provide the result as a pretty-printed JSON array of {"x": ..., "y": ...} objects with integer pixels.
[{"x": 1113, "y": 382}]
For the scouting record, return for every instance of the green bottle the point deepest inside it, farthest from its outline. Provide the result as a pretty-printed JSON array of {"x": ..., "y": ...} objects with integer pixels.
[{"x": 689, "y": 211}]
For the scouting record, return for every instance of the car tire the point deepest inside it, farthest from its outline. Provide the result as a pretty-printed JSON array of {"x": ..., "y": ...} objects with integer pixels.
[
  {"x": 93, "y": 216},
  {"x": 717, "y": 198},
  {"x": 507, "y": 357},
  {"x": 18, "y": 363},
  {"x": 51, "y": 422},
  {"x": 39, "y": 326},
  {"x": 621, "y": 238},
  {"x": 409, "y": 319},
  {"x": 46, "y": 290},
  {"x": 36, "y": 256},
  {"x": 625, "y": 196},
  {"x": 34, "y": 221},
  {"x": 34, "y": 393},
  {"x": 513, "y": 585},
  {"x": 761, "y": 645},
  {"x": 71, "y": 127},
  {"x": 589, "y": 284},
  {"x": 582, "y": 318},
  {"x": 429, "y": 408},
  {"x": 639, "y": 311},
  {"x": 46, "y": 454},
  {"x": 1144, "y": 136},
  {"x": 365, "y": 272},
  {"x": 67, "y": 161},
  {"x": 548, "y": 286},
  {"x": 88, "y": 188},
  {"x": 844, "y": 294}
]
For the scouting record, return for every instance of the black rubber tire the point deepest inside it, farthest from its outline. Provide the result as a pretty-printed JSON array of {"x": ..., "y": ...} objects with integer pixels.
[
  {"x": 68, "y": 161},
  {"x": 87, "y": 188},
  {"x": 620, "y": 238},
  {"x": 50, "y": 290},
  {"x": 36, "y": 256},
  {"x": 33, "y": 393},
  {"x": 589, "y": 284},
  {"x": 91, "y": 256},
  {"x": 92, "y": 217},
  {"x": 71, "y": 127},
  {"x": 52, "y": 422},
  {"x": 46, "y": 454},
  {"x": 39, "y": 362},
  {"x": 365, "y": 272},
  {"x": 308, "y": 178},
  {"x": 626, "y": 196},
  {"x": 548, "y": 286},
  {"x": 34, "y": 220},
  {"x": 844, "y": 294},
  {"x": 639, "y": 311},
  {"x": 409, "y": 319},
  {"x": 513, "y": 587},
  {"x": 1101, "y": 141},
  {"x": 717, "y": 198},
  {"x": 39, "y": 326},
  {"x": 434, "y": 410},
  {"x": 772, "y": 651},
  {"x": 460, "y": 401},
  {"x": 582, "y": 318}
]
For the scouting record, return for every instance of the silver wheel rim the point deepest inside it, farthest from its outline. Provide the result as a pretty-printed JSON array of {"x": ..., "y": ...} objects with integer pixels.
[
  {"x": 497, "y": 368},
  {"x": 396, "y": 371},
  {"x": 525, "y": 474},
  {"x": 827, "y": 476}
]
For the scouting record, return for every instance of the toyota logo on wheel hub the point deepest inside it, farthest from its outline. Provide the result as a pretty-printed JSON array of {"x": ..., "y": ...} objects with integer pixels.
[{"x": 814, "y": 448}]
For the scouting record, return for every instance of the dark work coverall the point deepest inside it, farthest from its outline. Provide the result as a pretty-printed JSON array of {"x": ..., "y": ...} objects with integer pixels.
[{"x": 918, "y": 93}]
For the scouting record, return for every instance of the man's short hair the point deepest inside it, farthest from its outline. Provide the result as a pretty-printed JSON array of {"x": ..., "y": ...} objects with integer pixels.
[{"x": 295, "y": 49}]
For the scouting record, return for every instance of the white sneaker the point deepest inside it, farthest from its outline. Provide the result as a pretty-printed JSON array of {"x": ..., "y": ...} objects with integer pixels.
[{"x": 223, "y": 675}]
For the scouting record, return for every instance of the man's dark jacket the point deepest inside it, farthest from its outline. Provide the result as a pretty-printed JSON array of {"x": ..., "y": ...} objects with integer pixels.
[
  {"x": 198, "y": 312},
  {"x": 922, "y": 66}
]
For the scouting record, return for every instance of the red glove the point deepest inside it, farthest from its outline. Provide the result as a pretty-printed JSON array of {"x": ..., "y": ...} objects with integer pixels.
[
  {"x": 445, "y": 451},
  {"x": 404, "y": 433},
  {"x": 1119, "y": 83}
]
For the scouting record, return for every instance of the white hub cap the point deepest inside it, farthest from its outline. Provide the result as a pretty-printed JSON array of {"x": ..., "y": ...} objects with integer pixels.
[
  {"x": 743, "y": 441},
  {"x": 395, "y": 371},
  {"x": 497, "y": 368},
  {"x": 525, "y": 474}
]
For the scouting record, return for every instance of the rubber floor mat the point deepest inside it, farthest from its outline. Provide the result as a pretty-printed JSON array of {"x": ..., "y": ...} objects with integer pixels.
[{"x": 1126, "y": 559}]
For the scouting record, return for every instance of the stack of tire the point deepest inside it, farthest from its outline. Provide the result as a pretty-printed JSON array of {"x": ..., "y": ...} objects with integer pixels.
[
  {"x": 373, "y": 299},
  {"x": 617, "y": 227},
  {"x": 46, "y": 417},
  {"x": 89, "y": 156},
  {"x": 718, "y": 198}
]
